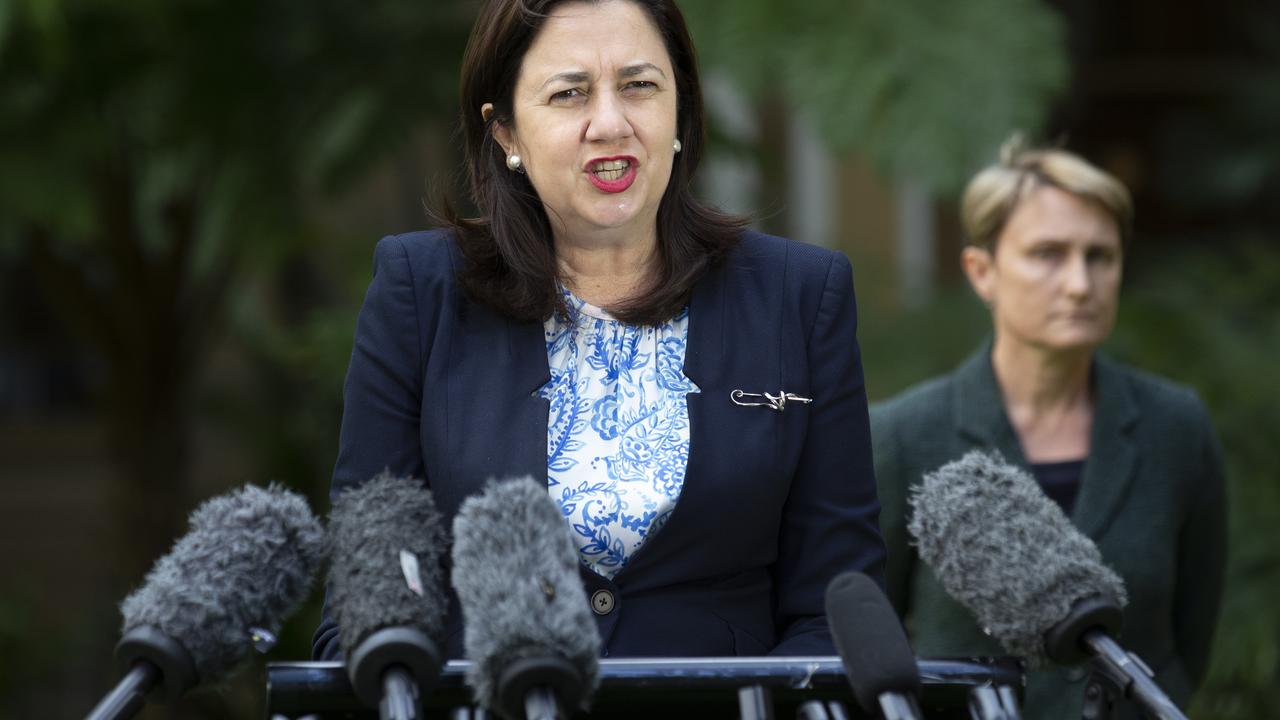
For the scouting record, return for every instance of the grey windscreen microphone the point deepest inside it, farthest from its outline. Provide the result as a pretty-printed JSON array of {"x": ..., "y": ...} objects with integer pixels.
[
  {"x": 529, "y": 632},
  {"x": 248, "y": 560},
  {"x": 387, "y": 591}
]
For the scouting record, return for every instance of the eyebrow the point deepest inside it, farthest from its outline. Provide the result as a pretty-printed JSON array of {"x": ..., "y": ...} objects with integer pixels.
[
  {"x": 577, "y": 76},
  {"x": 638, "y": 69},
  {"x": 573, "y": 77},
  {"x": 1090, "y": 243}
]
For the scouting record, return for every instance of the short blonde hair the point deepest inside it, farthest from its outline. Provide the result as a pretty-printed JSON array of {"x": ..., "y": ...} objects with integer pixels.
[{"x": 995, "y": 192}]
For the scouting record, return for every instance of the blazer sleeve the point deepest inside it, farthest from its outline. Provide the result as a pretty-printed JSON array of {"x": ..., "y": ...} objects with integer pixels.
[
  {"x": 1202, "y": 551},
  {"x": 830, "y": 521},
  {"x": 382, "y": 396}
]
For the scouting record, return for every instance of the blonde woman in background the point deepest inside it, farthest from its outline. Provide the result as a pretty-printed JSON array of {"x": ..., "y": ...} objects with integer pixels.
[{"x": 1132, "y": 458}]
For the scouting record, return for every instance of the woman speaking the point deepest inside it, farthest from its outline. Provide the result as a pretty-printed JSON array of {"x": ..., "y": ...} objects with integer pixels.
[{"x": 690, "y": 391}]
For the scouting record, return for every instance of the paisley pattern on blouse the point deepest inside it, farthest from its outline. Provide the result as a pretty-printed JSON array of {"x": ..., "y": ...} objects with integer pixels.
[{"x": 618, "y": 429}]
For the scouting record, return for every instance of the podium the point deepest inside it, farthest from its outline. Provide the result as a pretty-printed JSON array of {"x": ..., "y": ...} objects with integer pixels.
[{"x": 652, "y": 687}]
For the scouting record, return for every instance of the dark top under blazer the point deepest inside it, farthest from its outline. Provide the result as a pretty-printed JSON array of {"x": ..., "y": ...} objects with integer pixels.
[
  {"x": 1151, "y": 497},
  {"x": 774, "y": 504}
]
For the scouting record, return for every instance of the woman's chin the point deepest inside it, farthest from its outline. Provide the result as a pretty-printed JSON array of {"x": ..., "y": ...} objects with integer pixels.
[
  {"x": 1076, "y": 342},
  {"x": 616, "y": 215}
]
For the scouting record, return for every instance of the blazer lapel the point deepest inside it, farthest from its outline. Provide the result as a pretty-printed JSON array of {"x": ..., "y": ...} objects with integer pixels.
[
  {"x": 706, "y": 329},
  {"x": 1112, "y": 451},
  {"x": 496, "y": 423},
  {"x": 981, "y": 421},
  {"x": 980, "y": 418},
  {"x": 527, "y": 414}
]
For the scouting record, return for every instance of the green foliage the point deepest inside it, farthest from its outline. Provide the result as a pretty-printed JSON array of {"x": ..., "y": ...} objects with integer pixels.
[
  {"x": 900, "y": 348},
  {"x": 159, "y": 159},
  {"x": 249, "y": 105},
  {"x": 926, "y": 90}
]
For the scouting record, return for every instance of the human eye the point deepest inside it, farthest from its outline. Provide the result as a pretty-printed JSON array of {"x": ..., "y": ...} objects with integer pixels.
[
  {"x": 639, "y": 88},
  {"x": 570, "y": 96},
  {"x": 1046, "y": 252},
  {"x": 1101, "y": 256}
]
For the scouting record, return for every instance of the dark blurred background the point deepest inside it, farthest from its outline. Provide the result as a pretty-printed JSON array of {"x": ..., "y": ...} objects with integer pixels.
[{"x": 190, "y": 192}]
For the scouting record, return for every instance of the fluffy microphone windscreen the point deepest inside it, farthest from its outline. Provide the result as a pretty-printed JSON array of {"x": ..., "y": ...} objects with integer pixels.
[
  {"x": 1006, "y": 551},
  {"x": 873, "y": 646},
  {"x": 516, "y": 573},
  {"x": 386, "y": 542},
  {"x": 247, "y": 561}
]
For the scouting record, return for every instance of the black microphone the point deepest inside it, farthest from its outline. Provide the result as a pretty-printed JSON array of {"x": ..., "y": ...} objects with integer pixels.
[
  {"x": 1008, "y": 553},
  {"x": 873, "y": 647},
  {"x": 246, "y": 563},
  {"x": 528, "y": 632},
  {"x": 386, "y": 584}
]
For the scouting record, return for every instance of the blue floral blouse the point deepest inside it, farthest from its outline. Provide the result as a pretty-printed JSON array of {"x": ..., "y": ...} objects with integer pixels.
[{"x": 618, "y": 428}]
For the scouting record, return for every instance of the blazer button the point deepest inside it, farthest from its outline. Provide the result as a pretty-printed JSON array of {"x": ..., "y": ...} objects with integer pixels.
[{"x": 602, "y": 602}]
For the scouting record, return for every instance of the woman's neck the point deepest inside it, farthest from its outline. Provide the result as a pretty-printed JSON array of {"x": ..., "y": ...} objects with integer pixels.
[
  {"x": 1047, "y": 398},
  {"x": 608, "y": 272}
]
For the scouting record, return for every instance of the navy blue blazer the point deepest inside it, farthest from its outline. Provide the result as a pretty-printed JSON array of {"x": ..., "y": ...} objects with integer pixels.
[{"x": 774, "y": 504}]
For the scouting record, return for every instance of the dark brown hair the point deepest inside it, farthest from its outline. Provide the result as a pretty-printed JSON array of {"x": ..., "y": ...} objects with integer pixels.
[{"x": 510, "y": 261}]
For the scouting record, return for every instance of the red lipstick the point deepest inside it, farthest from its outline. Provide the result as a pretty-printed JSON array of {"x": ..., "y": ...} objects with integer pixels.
[{"x": 612, "y": 186}]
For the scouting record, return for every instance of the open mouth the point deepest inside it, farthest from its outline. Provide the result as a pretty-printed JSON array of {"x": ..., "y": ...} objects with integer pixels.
[
  {"x": 612, "y": 175},
  {"x": 610, "y": 170}
]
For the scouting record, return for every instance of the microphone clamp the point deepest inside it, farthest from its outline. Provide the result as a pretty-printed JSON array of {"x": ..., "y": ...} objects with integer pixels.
[
  {"x": 523, "y": 679},
  {"x": 177, "y": 669},
  {"x": 406, "y": 647},
  {"x": 1064, "y": 643}
]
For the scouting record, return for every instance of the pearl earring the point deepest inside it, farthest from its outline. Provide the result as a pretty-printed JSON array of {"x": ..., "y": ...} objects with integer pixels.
[
  {"x": 513, "y": 162},
  {"x": 676, "y": 145}
]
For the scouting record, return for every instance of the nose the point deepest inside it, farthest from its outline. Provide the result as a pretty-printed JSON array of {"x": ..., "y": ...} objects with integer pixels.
[
  {"x": 607, "y": 119},
  {"x": 1078, "y": 282}
]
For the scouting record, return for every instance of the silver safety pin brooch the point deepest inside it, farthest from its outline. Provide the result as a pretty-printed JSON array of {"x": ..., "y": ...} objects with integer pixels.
[{"x": 773, "y": 402}]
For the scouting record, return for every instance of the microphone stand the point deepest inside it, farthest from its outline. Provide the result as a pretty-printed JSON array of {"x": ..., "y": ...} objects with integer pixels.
[
  {"x": 540, "y": 704},
  {"x": 987, "y": 702},
  {"x": 129, "y": 695},
  {"x": 755, "y": 702},
  {"x": 157, "y": 663},
  {"x": 400, "y": 699},
  {"x": 896, "y": 706},
  {"x": 1123, "y": 674},
  {"x": 815, "y": 710}
]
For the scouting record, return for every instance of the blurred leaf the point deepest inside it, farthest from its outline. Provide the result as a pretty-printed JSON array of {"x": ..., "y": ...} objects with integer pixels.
[
  {"x": 926, "y": 90},
  {"x": 161, "y": 159}
]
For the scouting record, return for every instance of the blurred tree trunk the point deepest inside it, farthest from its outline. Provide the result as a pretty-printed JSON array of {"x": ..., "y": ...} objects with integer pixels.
[{"x": 145, "y": 312}]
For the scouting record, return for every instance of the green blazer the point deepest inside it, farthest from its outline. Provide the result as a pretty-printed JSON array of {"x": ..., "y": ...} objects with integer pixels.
[{"x": 1151, "y": 498}]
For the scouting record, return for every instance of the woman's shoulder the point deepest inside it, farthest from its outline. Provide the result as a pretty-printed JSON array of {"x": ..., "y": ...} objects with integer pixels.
[
  {"x": 806, "y": 278},
  {"x": 764, "y": 250},
  {"x": 1159, "y": 398},
  {"x": 438, "y": 246},
  {"x": 914, "y": 405},
  {"x": 1172, "y": 428},
  {"x": 428, "y": 256}
]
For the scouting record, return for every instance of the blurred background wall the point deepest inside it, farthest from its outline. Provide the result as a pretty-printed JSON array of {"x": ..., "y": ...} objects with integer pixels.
[{"x": 190, "y": 192}]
